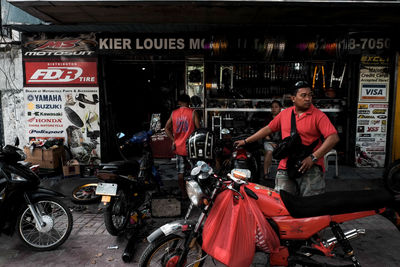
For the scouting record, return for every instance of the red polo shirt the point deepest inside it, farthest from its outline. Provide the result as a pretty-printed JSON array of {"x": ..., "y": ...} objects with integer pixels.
[{"x": 311, "y": 125}]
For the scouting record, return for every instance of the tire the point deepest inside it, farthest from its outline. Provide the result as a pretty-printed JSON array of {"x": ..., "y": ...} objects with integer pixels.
[
  {"x": 391, "y": 177},
  {"x": 58, "y": 219},
  {"x": 157, "y": 254},
  {"x": 85, "y": 194},
  {"x": 116, "y": 215}
]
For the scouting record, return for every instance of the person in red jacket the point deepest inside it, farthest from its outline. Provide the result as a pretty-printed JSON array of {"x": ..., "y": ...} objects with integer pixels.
[
  {"x": 182, "y": 122},
  {"x": 311, "y": 124}
]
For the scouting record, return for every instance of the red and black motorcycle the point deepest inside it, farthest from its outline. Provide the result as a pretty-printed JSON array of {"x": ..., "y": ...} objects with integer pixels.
[
  {"x": 230, "y": 157},
  {"x": 237, "y": 217}
]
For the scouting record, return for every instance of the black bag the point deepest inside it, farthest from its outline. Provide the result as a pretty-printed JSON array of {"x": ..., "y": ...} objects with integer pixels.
[
  {"x": 297, "y": 151},
  {"x": 286, "y": 146},
  {"x": 296, "y": 157}
]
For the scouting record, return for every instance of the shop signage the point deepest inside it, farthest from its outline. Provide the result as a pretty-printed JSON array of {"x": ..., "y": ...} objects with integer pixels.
[
  {"x": 371, "y": 135},
  {"x": 60, "y": 73},
  {"x": 71, "y": 113},
  {"x": 374, "y": 83},
  {"x": 83, "y": 45}
]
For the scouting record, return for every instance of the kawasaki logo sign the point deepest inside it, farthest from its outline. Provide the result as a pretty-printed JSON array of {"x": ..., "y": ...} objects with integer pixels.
[{"x": 60, "y": 73}]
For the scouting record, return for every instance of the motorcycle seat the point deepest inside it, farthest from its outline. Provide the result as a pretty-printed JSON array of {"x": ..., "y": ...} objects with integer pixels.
[
  {"x": 333, "y": 203},
  {"x": 121, "y": 167}
]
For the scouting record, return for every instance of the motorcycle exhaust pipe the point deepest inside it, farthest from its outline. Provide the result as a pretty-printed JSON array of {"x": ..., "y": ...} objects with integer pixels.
[
  {"x": 129, "y": 250},
  {"x": 351, "y": 234}
]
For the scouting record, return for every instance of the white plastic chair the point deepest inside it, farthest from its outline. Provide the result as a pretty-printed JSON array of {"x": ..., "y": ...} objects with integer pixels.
[{"x": 333, "y": 152}]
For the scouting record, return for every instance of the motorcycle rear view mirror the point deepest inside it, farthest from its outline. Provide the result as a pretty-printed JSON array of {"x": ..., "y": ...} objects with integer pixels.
[
  {"x": 195, "y": 171},
  {"x": 16, "y": 141},
  {"x": 120, "y": 135}
]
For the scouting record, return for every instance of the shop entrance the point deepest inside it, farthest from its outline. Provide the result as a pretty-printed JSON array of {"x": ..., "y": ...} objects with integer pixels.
[{"x": 135, "y": 90}]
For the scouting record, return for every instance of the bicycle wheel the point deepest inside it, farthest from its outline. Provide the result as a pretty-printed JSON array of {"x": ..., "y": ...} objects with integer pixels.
[{"x": 85, "y": 194}]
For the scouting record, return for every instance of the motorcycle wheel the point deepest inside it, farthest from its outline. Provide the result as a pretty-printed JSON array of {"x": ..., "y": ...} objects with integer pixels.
[
  {"x": 85, "y": 194},
  {"x": 166, "y": 251},
  {"x": 116, "y": 215},
  {"x": 391, "y": 177},
  {"x": 57, "y": 217}
]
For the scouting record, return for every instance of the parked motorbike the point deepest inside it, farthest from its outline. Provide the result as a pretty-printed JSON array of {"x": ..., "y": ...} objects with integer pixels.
[
  {"x": 285, "y": 226},
  {"x": 230, "y": 157},
  {"x": 41, "y": 220},
  {"x": 391, "y": 177},
  {"x": 125, "y": 186}
]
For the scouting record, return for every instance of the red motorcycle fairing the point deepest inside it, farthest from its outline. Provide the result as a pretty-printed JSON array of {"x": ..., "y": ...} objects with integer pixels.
[
  {"x": 304, "y": 228},
  {"x": 269, "y": 201},
  {"x": 271, "y": 205}
]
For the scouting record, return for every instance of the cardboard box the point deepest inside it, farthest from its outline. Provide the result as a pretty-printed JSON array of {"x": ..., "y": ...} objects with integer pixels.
[
  {"x": 46, "y": 158},
  {"x": 71, "y": 168},
  {"x": 161, "y": 146}
]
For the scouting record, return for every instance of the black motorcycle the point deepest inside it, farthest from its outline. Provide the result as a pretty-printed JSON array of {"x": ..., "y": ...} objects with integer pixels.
[
  {"x": 40, "y": 218},
  {"x": 391, "y": 177},
  {"x": 230, "y": 157},
  {"x": 126, "y": 185}
]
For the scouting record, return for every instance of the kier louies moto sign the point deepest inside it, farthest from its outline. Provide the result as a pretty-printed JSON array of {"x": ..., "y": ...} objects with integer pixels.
[{"x": 57, "y": 73}]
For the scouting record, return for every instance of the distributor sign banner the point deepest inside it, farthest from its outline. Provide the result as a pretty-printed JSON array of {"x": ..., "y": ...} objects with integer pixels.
[
  {"x": 62, "y": 101},
  {"x": 70, "y": 73}
]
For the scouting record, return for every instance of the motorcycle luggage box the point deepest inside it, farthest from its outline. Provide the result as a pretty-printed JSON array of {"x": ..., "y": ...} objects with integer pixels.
[
  {"x": 121, "y": 167},
  {"x": 165, "y": 205}
]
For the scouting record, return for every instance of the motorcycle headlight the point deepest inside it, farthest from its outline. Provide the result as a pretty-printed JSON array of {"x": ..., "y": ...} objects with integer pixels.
[
  {"x": 16, "y": 177},
  {"x": 21, "y": 154},
  {"x": 194, "y": 192}
]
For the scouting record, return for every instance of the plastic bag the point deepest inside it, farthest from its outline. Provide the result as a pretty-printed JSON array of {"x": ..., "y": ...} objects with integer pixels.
[{"x": 229, "y": 233}]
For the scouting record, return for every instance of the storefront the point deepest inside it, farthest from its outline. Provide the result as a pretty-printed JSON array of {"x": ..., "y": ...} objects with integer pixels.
[{"x": 231, "y": 79}]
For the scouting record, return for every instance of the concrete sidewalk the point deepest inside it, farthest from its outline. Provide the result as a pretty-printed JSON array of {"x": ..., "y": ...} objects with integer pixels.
[{"x": 89, "y": 242}]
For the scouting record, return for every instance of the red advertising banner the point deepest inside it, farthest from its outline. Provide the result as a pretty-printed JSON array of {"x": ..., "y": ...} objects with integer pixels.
[{"x": 39, "y": 74}]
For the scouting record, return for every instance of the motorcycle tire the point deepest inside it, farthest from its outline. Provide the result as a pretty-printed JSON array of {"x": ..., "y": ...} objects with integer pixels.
[
  {"x": 391, "y": 177},
  {"x": 58, "y": 219},
  {"x": 85, "y": 194},
  {"x": 116, "y": 215},
  {"x": 166, "y": 249}
]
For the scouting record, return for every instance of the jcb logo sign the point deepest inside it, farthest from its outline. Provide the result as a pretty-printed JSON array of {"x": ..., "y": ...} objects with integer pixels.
[{"x": 58, "y": 74}]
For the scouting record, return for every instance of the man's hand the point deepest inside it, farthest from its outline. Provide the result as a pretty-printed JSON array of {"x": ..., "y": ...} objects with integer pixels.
[
  {"x": 307, "y": 163},
  {"x": 239, "y": 143},
  {"x": 173, "y": 146}
]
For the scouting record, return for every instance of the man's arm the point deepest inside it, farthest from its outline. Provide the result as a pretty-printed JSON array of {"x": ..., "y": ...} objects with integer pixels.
[
  {"x": 326, "y": 146},
  {"x": 263, "y": 132},
  {"x": 196, "y": 120},
  {"x": 168, "y": 129}
]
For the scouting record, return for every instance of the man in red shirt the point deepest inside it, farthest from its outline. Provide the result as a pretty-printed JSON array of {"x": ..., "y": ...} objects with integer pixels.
[
  {"x": 182, "y": 122},
  {"x": 311, "y": 124}
]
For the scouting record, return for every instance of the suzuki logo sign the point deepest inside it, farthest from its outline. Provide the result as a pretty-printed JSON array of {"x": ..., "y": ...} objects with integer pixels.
[{"x": 59, "y": 75}]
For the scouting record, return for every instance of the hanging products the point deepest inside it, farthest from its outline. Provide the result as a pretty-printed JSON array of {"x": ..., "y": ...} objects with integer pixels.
[
  {"x": 317, "y": 70},
  {"x": 337, "y": 79}
]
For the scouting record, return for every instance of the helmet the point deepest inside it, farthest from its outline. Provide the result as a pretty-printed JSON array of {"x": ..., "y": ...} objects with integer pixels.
[{"x": 200, "y": 145}]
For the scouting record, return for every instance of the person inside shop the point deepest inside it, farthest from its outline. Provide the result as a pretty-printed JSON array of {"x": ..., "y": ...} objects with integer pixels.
[
  {"x": 271, "y": 141},
  {"x": 182, "y": 122},
  {"x": 311, "y": 124}
]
